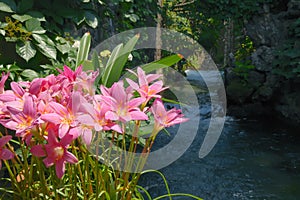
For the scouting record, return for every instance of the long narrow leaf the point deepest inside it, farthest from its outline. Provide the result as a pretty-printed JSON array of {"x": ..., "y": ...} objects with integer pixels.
[
  {"x": 117, "y": 61},
  {"x": 110, "y": 64},
  {"x": 159, "y": 64},
  {"x": 162, "y": 63},
  {"x": 84, "y": 49}
]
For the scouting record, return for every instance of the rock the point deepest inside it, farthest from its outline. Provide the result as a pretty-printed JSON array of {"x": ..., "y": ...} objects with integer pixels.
[
  {"x": 262, "y": 58},
  {"x": 255, "y": 79},
  {"x": 289, "y": 106},
  {"x": 238, "y": 92},
  {"x": 262, "y": 91}
]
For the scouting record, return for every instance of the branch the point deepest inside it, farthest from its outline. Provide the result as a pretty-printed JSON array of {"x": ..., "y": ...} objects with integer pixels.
[{"x": 184, "y": 3}]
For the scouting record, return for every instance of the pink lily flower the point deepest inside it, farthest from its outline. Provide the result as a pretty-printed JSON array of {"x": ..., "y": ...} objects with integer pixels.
[
  {"x": 5, "y": 154},
  {"x": 144, "y": 88},
  {"x": 69, "y": 74},
  {"x": 56, "y": 152},
  {"x": 163, "y": 118},
  {"x": 95, "y": 119},
  {"x": 122, "y": 108},
  {"x": 22, "y": 121},
  {"x": 65, "y": 117},
  {"x": 85, "y": 82}
]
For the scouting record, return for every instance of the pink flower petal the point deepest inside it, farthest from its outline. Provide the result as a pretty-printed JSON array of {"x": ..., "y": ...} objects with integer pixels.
[
  {"x": 74, "y": 132},
  {"x": 6, "y": 154},
  {"x": 60, "y": 168},
  {"x": 133, "y": 84},
  {"x": 38, "y": 151},
  {"x": 138, "y": 115},
  {"x": 111, "y": 116},
  {"x": 48, "y": 162},
  {"x": 17, "y": 89},
  {"x": 70, "y": 158},
  {"x": 58, "y": 108},
  {"x": 136, "y": 102},
  {"x": 51, "y": 117},
  {"x": 63, "y": 130},
  {"x": 4, "y": 140},
  {"x": 87, "y": 136},
  {"x": 29, "y": 107}
]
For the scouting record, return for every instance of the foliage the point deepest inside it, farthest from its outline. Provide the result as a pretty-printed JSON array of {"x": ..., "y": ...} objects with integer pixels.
[{"x": 287, "y": 55}]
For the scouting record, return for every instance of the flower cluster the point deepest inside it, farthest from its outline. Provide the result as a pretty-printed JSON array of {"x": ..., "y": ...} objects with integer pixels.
[{"x": 50, "y": 113}]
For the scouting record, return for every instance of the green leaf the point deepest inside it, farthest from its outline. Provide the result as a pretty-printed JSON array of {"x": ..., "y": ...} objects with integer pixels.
[
  {"x": 25, "y": 5},
  {"x": 2, "y": 32},
  {"x": 8, "y": 6},
  {"x": 106, "y": 78},
  {"x": 159, "y": 64},
  {"x": 26, "y": 50},
  {"x": 117, "y": 61},
  {"x": 30, "y": 74},
  {"x": 47, "y": 50},
  {"x": 87, "y": 65},
  {"x": 91, "y": 19},
  {"x": 84, "y": 48},
  {"x": 43, "y": 39},
  {"x": 162, "y": 63},
  {"x": 97, "y": 66},
  {"x": 38, "y": 15},
  {"x": 21, "y": 18},
  {"x": 63, "y": 48},
  {"x": 34, "y": 25}
]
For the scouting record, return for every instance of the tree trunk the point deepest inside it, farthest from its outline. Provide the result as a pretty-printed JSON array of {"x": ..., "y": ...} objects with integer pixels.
[
  {"x": 228, "y": 43},
  {"x": 158, "y": 41}
]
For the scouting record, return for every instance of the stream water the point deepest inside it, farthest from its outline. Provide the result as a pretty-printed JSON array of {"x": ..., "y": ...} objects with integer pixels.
[{"x": 253, "y": 159}]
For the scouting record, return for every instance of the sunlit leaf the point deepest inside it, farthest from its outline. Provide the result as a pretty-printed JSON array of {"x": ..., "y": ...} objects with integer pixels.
[
  {"x": 30, "y": 74},
  {"x": 8, "y": 6},
  {"x": 47, "y": 50},
  {"x": 21, "y": 18},
  {"x": 117, "y": 61},
  {"x": 33, "y": 25},
  {"x": 91, "y": 19},
  {"x": 26, "y": 50},
  {"x": 84, "y": 48},
  {"x": 43, "y": 39}
]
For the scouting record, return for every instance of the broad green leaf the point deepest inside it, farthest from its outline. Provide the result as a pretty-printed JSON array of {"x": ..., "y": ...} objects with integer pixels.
[
  {"x": 43, "y": 39},
  {"x": 13, "y": 67},
  {"x": 25, "y": 5},
  {"x": 26, "y": 50},
  {"x": 79, "y": 18},
  {"x": 38, "y": 15},
  {"x": 21, "y": 18},
  {"x": 91, "y": 19},
  {"x": 117, "y": 61},
  {"x": 47, "y": 50},
  {"x": 34, "y": 25},
  {"x": 8, "y": 6},
  {"x": 30, "y": 74},
  {"x": 63, "y": 48},
  {"x": 84, "y": 48}
]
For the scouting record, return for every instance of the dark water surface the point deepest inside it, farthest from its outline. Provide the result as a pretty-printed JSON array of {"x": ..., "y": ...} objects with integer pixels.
[{"x": 253, "y": 159}]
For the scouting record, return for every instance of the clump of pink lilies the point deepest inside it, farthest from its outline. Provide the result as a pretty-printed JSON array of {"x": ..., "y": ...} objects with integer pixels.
[{"x": 50, "y": 113}]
